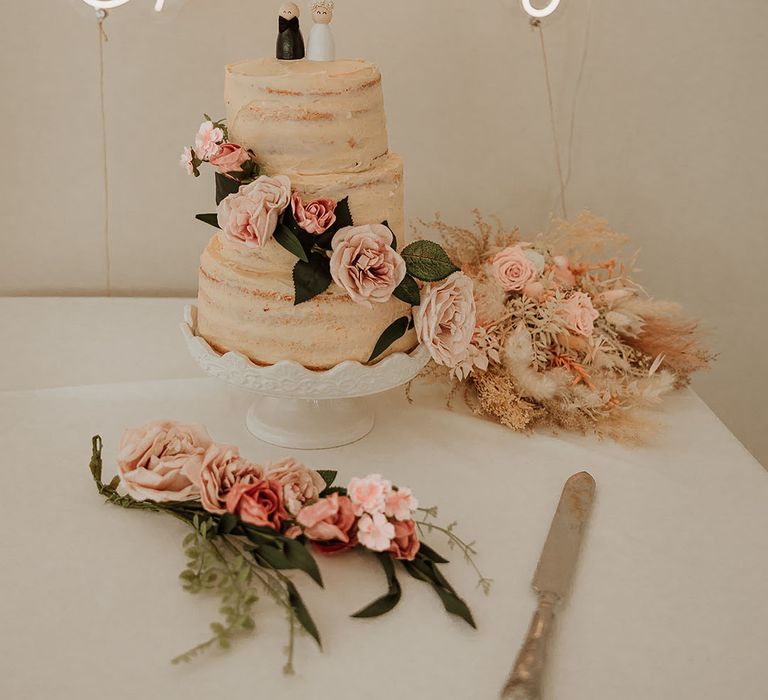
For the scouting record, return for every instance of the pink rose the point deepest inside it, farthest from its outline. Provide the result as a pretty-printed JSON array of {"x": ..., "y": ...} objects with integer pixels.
[
  {"x": 405, "y": 543},
  {"x": 514, "y": 268},
  {"x": 445, "y": 320},
  {"x": 300, "y": 484},
  {"x": 222, "y": 468},
  {"x": 230, "y": 158},
  {"x": 207, "y": 140},
  {"x": 375, "y": 532},
  {"x": 162, "y": 461},
  {"x": 258, "y": 503},
  {"x": 400, "y": 504},
  {"x": 249, "y": 216},
  {"x": 330, "y": 519},
  {"x": 365, "y": 265},
  {"x": 579, "y": 314},
  {"x": 316, "y": 217},
  {"x": 562, "y": 272},
  {"x": 369, "y": 495}
]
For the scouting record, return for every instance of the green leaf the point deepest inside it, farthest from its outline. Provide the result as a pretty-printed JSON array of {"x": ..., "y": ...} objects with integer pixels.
[
  {"x": 301, "y": 559},
  {"x": 290, "y": 241},
  {"x": 210, "y": 219},
  {"x": 431, "y": 554},
  {"x": 455, "y": 605},
  {"x": 408, "y": 291},
  {"x": 394, "y": 237},
  {"x": 311, "y": 278},
  {"x": 343, "y": 215},
  {"x": 393, "y": 332},
  {"x": 302, "y": 614},
  {"x": 329, "y": 476},
  {"x": 228, "y": 523},
  {"x": 272, "y": 557},
  {"x": 427, "y": 261},
  {"x": 390, "y": 599}
]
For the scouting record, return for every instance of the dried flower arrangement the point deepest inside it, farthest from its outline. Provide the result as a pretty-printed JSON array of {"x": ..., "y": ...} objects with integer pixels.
[{"x": 564, "y": 337}]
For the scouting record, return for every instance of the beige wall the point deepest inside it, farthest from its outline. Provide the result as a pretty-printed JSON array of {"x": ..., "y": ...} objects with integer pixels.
[{"x": 670, "y": 144}]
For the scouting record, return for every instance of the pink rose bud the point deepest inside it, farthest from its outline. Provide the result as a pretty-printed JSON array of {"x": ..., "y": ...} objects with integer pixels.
[
  {"x": 316, "y": 217},
  {"x": 230, "y": 158}
]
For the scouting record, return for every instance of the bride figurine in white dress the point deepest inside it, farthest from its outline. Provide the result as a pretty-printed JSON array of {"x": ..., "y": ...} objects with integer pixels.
[{"x": 321, "y": 44}]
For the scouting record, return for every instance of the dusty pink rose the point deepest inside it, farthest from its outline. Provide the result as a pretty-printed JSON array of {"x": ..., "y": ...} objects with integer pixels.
[
  {"x": 222, "y": 468},
  {"x": 405, "y": 543},
  {"x": 229, "y": 158},
  {"x": 445, "y": 321},
  {"x": 365, "y": 265},
  {"x": 562, "y": 272},
  {"x": 369, "y": 494},
  {"x": 375, "y": 532},
  {"x": 316, "y": 217},
  {"x": 207, "y": 140},
  {"x": 249, "y": 217},
  {"x": 514, "y": 267},
  {"x": 161, "y": 461},
  {"x": 187, "y": 156},
  {"x": 329, "y": 519},
  {"x": 400, "y": 504},
  {"x": 258, "y": 502},
  {"x": 300, "y": 484},
  {"x": 579, "y": 314}
]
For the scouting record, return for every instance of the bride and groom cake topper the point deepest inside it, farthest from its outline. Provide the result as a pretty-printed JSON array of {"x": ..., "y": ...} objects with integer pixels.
[{"x": 290, "y": 42}]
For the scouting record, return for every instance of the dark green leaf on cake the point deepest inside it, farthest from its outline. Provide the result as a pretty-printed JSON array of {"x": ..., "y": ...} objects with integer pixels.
[
  {"x": 391, "y": 598},
  {"x": 427, "y": 261},
  {"x": 225, "y": 186},
  {"x": 311, "y": 278},
  {"x": 393, "y": 332},
  {"x": 343, "y": 215},
  {"x": 394, "y": 237},
  {"x": 408, "y": 291},
  {"x": 210, "y": 219},
  {"x": 290, "y": 241}
]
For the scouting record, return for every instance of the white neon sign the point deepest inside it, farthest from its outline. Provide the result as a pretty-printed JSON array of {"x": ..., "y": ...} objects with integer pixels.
[
  {"x": 539, "y": 13},
  {"x": 112, "y": 4}
]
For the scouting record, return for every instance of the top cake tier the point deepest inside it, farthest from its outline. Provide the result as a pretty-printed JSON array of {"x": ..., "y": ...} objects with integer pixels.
[{"x": 307, "y": 117}]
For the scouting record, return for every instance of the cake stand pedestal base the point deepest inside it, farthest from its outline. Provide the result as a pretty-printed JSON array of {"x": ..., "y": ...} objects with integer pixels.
[{"x": 306, "y": 424}]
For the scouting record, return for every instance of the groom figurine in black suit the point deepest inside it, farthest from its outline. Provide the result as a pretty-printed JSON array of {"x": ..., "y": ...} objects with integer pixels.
[{"x": 290, "y": 43}]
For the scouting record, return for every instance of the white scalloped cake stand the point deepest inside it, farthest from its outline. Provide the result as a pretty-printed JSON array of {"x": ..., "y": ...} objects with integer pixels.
[{"x": 300, "y": 408}]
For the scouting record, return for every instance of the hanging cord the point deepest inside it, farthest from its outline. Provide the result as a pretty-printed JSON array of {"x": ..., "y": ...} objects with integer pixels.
[
  {"x": 101, "y": 15},
  {"x": 576, "y": 90},
  {"x": 536, "y": 24}
]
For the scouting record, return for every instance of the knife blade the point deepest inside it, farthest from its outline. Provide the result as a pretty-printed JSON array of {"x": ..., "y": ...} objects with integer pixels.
[{"x": 551, "y": 583}]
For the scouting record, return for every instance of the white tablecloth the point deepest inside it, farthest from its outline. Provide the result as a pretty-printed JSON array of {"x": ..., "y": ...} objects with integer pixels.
[{"x": 669, "y": 600}]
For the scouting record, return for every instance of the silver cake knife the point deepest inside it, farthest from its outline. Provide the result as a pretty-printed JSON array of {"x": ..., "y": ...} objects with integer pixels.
[{"x": 551, "y": 583}]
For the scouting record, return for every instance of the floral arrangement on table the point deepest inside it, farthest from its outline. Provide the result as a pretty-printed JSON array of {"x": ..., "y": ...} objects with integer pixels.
[
  {"x": 330, "y": 248},
  {"x": 251, "y": 524},
  {"x": 556, "y": 332}
]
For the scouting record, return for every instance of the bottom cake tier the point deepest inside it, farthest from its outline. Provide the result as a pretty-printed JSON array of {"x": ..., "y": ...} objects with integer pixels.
[{"x": 246, "y": 305}]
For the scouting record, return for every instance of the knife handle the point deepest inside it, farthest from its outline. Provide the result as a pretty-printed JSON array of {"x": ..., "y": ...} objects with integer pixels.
[{"x": 525, "y": 681}]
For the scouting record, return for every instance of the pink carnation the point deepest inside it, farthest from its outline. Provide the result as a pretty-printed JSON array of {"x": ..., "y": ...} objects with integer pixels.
[
  {"x": 400, "y": 504},
  {"x": 229, "y": 158},
  {"x": 369, "y": 495},
  {"x": 316, "y": 217},
  {"x": 187, "y": 156},
  {"x": 207, "y": 140},
  {"x": 249, "y": 217},
  {"x": 375, "y": 532},
  {"x": 579, "y": 313}
]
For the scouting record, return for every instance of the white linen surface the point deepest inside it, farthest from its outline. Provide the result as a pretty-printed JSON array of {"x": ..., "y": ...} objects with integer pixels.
[{"x": 668, "y": 603}]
